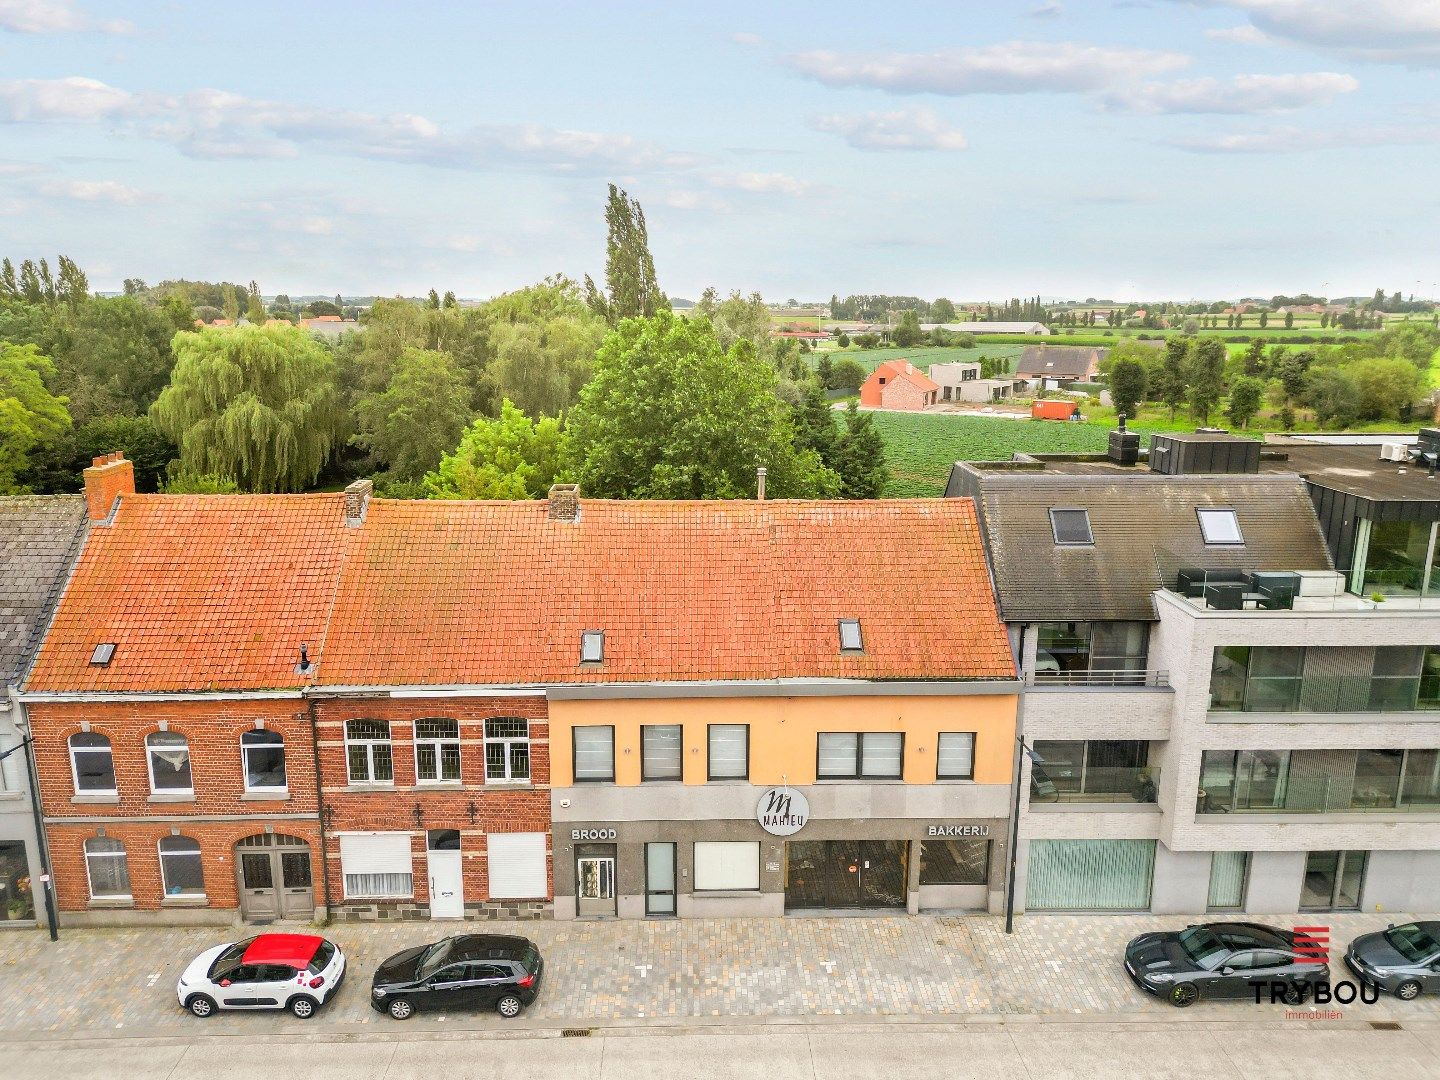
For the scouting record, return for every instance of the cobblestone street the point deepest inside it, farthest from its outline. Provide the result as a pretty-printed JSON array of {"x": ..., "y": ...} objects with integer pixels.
[{"x": 122, "y": 982}]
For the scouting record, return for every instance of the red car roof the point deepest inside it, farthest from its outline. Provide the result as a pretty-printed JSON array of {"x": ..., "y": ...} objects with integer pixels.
[{"x": 292, "y": 950}]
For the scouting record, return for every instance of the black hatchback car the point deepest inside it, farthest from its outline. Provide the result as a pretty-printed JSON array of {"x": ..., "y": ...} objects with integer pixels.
[
  {"x": 464, "y": 973},
  {"x": 1221, "y": 960}
]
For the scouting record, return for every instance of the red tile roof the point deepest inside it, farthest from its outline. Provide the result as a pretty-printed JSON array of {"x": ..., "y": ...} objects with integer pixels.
[{"x": 917, "y": 378}]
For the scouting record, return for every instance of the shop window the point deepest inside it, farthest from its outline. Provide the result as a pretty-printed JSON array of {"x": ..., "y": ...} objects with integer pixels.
[
  {"x": 106, "y": 870},
  {"x": 17, "y": 900},
  {"x": 955, "y": 861},
  {"x": 594, "y": 753},
  {"x": 368, "y": 753},
  {"x": 507, "y": 748},
  {"x": 725, "y": 866},
  {"x": 168, "y": 754},
  {"x": 181, "y": 870},
  {"x": 264, "y": 754},
  {"x": 865, "y": 755},
  {"x": 377, "y": 866},
  {"x": 437, "y": 751},
  {"x": 661, "y": 747},
  {"x": 729, "y": 751},
  {"x": 955, "y": 756},
  {"x": 93, "y": 764}
]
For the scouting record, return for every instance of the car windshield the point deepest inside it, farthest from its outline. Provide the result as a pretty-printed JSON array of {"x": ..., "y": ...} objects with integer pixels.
[
  {"x": 531, "y": 960},
  {"x": 436, "y": 956},
  {"x": 323, "y": 955},
  {"x": 1203, "y": 947},
  {"x": 226, "y": 963},
  {"x": 1413, "y": 942}
]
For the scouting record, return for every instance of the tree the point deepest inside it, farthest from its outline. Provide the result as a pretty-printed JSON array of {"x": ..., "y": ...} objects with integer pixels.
[
  {"x": 1255, "y": 358},
  {"x": 57, "y": 467},
  {"x": 824, "y": 370},
  {"x": 1289, "y": 319},
  {"x": 1170, "y": 380},
  {"x": 847, "y": 374},
  {"x": 631, "y": 289},
  {"x": 814, "y": 421},
  {"x": 1291, "y": 370},
  {"x": 181, "y": 482},
  {"x": 255, "y": 310},
  {"x": 668, "y": 414},
  {"x": 843, "y": 340},
  {"x": 1128, "y": 382},
  {"x": 1386, "y": 387},
  {"x": 1330, "y": 391},
  {"x": 113, "y": 355},
  {"x": 418, "y": 417},
  {"x": 231, "y": 307},
  {"x": 942, "y": 311},
  {"x": 325, "y": 307},
  {"x": 860, "y": 457},
  {"x": 256, "y": 403},
  {"x": 31, "y": 417},
  {"x": 907, "y": 333},
  {"x": 1245, "y": 400},
  {"x": 1207, "y": 377},
  {"x": 511, "y": 457}
]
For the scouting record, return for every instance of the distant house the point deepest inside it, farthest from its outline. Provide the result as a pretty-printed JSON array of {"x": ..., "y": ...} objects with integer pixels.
[
  {"x": 897, "y": 384},
  {"x": 988, "y": 327},
  {"x": 1057, "y": 366},
  {"x": 330, "y": 326},
  {"x": 962, "y": 382},
  {"x": 802, "y": 335}
]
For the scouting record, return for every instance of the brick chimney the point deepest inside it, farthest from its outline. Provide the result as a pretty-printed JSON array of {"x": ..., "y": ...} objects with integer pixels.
[
  {"x": 357, "y": 501},
  {"x": 106, "y": 479},
  {"x": 564, "y": 502}
]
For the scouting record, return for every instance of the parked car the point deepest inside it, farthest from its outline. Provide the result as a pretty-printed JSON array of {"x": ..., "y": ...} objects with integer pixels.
[
  {"x": 1218, "y": 960},
  {"x": 460, "y": 974},
  {"x": 298, "y": 972},
  {"x": 1405, "y": 960}
]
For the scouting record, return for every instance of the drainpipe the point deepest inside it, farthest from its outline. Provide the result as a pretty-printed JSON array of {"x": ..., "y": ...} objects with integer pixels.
[
  {"x": 319, "y": 798},
  {"x": 42, "y": 849}
]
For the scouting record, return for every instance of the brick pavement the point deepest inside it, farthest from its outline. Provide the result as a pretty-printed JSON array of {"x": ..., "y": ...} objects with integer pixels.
[{"x": 598, "y": 973}]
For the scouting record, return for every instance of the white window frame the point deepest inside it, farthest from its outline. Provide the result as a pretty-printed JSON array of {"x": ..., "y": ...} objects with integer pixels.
[
  {"x": 437, "y": 744},
  {"x": 164, "y": 880},
  {"x": 394, "y": 864},
  {"x": 368, "y": 780},
  {"x": 122, "y": 855},
  {"x": 245, "y": 760},
  {"x": 150, "y": 754},
  {"x": 730, "y": 858},
  {"x": 1219, "y": 512},
  {"x": 506, "y": 743},
  {"x": 75, "y": 768}
]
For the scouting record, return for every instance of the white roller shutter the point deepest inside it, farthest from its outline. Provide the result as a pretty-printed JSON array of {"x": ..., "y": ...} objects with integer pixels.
[
  {"x": 517, "y": 866},
  {"x": 726, "y": 865},
  {"x": 375, "y": 853}
]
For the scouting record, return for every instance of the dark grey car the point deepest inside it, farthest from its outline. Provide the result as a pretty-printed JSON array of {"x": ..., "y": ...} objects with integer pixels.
[
  {"x": 1403, "y": 960},
  {"x": 1221, "y": 960}
]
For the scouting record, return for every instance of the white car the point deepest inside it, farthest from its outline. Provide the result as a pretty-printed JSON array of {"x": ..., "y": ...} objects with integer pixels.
[{"x": 271, "y": 971}]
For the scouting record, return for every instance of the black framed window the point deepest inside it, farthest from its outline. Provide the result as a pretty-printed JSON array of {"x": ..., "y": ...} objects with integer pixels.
[
  {"x": 594, "y": 754},
  {"x": 955, "y": 860},
  {"x": 1071, "y": 527},
  {"x": 661, "y": 752},
  {"x": 955, "y": 756},
  {"x": 857, "y": 755},
  {"x": 729, "y": 757}
]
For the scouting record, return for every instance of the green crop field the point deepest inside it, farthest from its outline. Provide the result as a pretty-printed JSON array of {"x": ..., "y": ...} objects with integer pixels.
[{"x": 923, "y": 356}]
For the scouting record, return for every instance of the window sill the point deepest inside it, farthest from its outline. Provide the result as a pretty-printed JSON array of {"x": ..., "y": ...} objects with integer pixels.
[
  {"x": 96, "y": 800},
  {"x": 511, "y": 785},
  {"x": 116, "y": 903},
  {"x": 954, "y": 780},
  {"x": 724, "y": 894},
  {"x": 442, "y": 785},
  {"x": 177, "y": 797},
  {"x": 278, "y": 795},
  {"x": 860, "y": 780},
  {"x": 184, "y": 901},
  {"x": 10, "y": 796},
  {"x": 364, "y": 788},
  {"x": 733, "y": 781}
]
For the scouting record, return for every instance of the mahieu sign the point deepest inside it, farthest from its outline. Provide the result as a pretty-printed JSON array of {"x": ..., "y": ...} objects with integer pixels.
[{"x": 782, "y": 811}]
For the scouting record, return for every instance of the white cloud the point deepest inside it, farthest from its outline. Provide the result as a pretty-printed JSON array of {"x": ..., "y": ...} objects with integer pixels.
[
  {"x": 70, "y": 99},
  {"x": 1295, "y": 140},
  {"x": 747, "y": 39},
  {"x": 54, "y": 17},
  {"x": 1239, "y": 95},
  {"x": 1383, "y": 31},
  {"x": 96, "y": 191},
  {"x": 696, "y": 200},
  {"x": 760, "y": 183},
  {"x": 903, "y": 129},
  {"x": 1052, "y": 9},
  {"x": 1015, "y": 67},
  {"x": 1244, "y": 34}
]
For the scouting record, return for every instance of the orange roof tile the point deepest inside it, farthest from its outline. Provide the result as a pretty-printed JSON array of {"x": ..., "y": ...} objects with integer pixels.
[{"x": 917, "y": 378}]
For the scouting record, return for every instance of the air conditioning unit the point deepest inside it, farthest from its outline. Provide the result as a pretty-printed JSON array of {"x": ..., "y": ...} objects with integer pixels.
[{"x": 1394, "y": 451}]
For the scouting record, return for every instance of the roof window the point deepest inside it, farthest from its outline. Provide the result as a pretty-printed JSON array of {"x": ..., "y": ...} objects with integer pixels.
[
  {"x": 850, "y": 640},
  {"x": 102, "y": 654},
  {"x": 592, "y": 647},
  {"x": 1220, "y": 526},
  {"x": 1071, "y": 527}
]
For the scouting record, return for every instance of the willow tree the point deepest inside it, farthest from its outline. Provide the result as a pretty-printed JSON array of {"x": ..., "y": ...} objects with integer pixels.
[{"x": 256, "y": 403}]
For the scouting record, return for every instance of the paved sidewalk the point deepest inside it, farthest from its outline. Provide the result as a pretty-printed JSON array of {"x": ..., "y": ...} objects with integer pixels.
[{"x": 122, "y": 982}]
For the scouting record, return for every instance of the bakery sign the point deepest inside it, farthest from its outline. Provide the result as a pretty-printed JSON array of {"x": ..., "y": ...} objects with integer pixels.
[
  {"x": 782, "y": 811},
  {"x": 957, "y": 830}
]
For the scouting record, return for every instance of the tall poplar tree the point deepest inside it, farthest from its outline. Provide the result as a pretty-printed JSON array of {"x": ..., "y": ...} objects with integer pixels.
[{"x": 631, "y": 290}]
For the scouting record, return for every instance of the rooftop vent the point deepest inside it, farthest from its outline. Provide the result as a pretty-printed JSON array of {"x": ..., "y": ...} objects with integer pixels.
[
  {"x": 1124, "y": 445},
  {"x": 1204, "y": 452}
]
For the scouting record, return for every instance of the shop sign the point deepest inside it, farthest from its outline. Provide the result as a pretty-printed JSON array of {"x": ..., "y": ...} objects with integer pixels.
[
  {"x": 592, "y": 834},
  {"x": 782, "y": 811},
  {"x": 958, "y": 830}
]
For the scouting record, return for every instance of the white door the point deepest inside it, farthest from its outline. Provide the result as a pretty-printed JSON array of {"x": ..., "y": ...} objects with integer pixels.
[{"x": 447, "y": 887}]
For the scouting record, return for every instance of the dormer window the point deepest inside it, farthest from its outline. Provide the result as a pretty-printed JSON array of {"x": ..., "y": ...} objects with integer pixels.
[
  {"x": 1071, "y": 528},
  {"x": 592, "y": 647},
  {"x": 103, "y": 653},
  {"x": 850, "y": 640},
  {"x": 1220, "y": 526}
]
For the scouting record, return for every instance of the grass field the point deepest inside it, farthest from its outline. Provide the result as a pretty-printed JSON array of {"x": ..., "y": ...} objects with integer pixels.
[{"x": 923, "y": 356}]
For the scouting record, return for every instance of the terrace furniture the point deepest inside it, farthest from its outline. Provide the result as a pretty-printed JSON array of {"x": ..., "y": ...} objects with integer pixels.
[{"x": 1226, "y": 596}]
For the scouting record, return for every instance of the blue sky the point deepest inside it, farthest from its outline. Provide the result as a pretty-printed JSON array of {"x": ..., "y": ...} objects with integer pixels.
[{"x": 1130, "y": 149}]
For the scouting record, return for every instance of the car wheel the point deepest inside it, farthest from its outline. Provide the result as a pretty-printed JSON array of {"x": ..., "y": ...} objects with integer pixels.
[
  {"x": 201, "y": 1005},
  {"x": 1184, "y": 995},
  {"x": 1409, "y": 990},
  {"x": 303, "y": 1007},
  {"x": 509, "y": 1006},
  {"x": 401, "y": 1009}
]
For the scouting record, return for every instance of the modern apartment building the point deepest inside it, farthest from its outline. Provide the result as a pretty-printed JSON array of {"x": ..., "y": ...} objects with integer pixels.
[{"x": 1216, "y": 718}]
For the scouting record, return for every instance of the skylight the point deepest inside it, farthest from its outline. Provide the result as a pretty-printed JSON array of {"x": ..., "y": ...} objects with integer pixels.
[
  {"x": 1071, "y": 527},
  {"x": 592, "y": 646},
  {"x": 850, "y": 640},
  {"x": 103, "y": 652},
  {"x": 1219, "y": 526}
]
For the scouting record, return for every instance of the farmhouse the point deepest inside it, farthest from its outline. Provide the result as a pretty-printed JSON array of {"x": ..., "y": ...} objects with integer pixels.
[
  {"x": 1057, "y": 366},
  {"x": 961, "y": 382},
  {"x": 898, "y": 384}
]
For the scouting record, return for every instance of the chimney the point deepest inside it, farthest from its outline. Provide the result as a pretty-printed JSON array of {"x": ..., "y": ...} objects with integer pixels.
[
  {"x": 1124, "y": 445},
  {"x": 564, "y": 502},
  {"x": 106, "y": 479},
  {"x": 760, "y": 484},
  {"x": 357, "y": 501}
]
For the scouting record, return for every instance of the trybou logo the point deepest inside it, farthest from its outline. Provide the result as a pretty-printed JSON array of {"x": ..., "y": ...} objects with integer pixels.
[
  {"x": 1313, "y": 943},
  {"x": 1312, "y": 946}
]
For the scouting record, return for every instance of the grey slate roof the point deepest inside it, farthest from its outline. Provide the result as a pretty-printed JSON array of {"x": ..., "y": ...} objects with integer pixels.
[
  {"x": 40, "y": 538},
  {"x": 1059, "y": 361},
  {"x": 1145, "y": 530}
]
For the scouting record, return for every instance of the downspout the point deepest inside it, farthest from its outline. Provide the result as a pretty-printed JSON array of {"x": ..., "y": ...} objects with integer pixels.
[
  {"x": 319, "y": 798},
  {"x": 42, "y": 848}
]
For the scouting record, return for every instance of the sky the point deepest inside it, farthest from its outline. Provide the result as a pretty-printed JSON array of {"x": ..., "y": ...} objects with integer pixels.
[{"x": 1121, "y": 149}]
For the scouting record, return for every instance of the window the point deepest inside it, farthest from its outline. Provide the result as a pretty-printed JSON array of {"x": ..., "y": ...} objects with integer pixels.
[
  {"x": 517, "y": 866},
  {"x": 1219, "y": 526},
  {"x": 169, "y": 756},
  {"x": 955, "y": 861},
  {"x": 376, "y": 866},
  {"x": 1067, "y": 650},
  {"x": 264, "y": 754},
  {"x": 1228, "y": 873},
  {"x": 1241, "y": 780},
  {"x": 729, "y": 751},
  {"x": 181, "y": 872},
  {"x": 1107, "y": 770},
  {"x": 850, "y": 755},
  {"x": 93, "y": 764},
  {"x": 592, "y": 647},
  {"x": 594, "y": 754},
  {"x": 727, "y": 866},
  {"x": 1257, "y": 679},
  {"x": 1090, "y": 875},
  {"x": 1071, "y": 527},
  {"x": 850, "y": 639},
  {"x": 507, "y": 748},
  {"x": 105, "y": 867},
  {"x": 955, "y": 756},
  {"x": 367, "y": 751},
  {"x": 661, "y": 752},
  {"x": 103, "y": 654},
  {"x": 437, "y": 751}
]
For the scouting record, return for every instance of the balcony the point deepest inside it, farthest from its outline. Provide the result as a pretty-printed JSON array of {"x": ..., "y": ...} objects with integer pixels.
[
  {"x": 1062, "y": 783},
  {"x": 1326, "y": 693},
  {"x": 1320, "y": 795},
  {"x": 1237, "y": 590},
  {"x": 1104, "y": 680}
]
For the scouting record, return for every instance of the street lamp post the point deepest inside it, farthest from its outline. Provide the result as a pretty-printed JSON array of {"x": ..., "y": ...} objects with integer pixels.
[{"x": 1021, "y": 748}]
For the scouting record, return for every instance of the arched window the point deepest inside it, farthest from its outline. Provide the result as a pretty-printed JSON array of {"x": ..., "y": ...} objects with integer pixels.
[
  {"x": 106, "y": 870},
  {"x": 181, "y": 872},
  {"x": 437, "y": 750},
  {"x": 264, "y": 754},
  {"x": 367, "y": 750},
  {"x": 92, "y": 763},
  {"x": 168, "y": 755}
]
